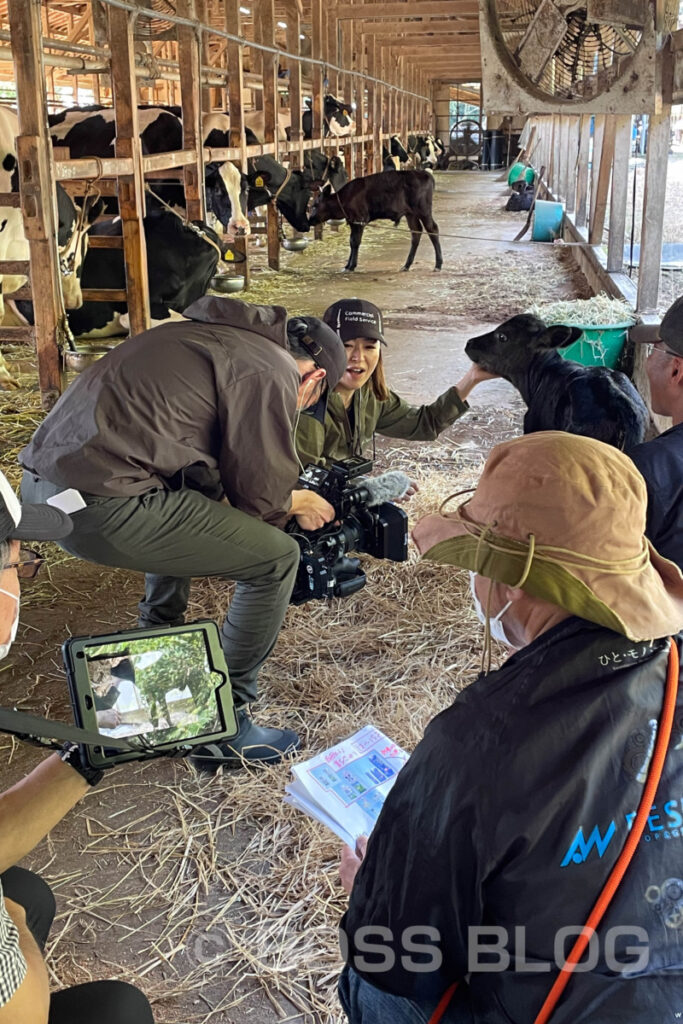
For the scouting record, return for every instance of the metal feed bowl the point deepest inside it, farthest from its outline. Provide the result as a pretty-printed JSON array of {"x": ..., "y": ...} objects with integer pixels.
[
  {"x": 81, "y": 359},
  {"x": 228, "y": 284},
  {"x": 294, "y": 244}
]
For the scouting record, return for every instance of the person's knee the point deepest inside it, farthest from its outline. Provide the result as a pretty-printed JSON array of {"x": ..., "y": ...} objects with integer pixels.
[
  {"x": 129, "y": 1004},
  {"x": 33, "y": 893},
  {"x": 107, "y": 1002}
]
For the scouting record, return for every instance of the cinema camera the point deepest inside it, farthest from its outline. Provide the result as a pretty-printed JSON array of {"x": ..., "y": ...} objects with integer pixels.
[{"x": 366, "y": 521}]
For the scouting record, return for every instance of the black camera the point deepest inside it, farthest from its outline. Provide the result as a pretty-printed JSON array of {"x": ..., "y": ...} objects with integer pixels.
[{"x": 366, "y": 521}]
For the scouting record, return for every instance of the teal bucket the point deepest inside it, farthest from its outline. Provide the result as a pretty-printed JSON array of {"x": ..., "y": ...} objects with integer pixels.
[
  {"x": 598, "y": 346},
  {"x": 548, "y": 221},
  {"x": 521, "y": 172}
]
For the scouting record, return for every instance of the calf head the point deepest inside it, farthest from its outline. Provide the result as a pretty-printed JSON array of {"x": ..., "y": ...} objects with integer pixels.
[
  {"x": 508, "y": 350},
  {"x": 72, "y": 240},
  {"x": 325, "y": 206}
]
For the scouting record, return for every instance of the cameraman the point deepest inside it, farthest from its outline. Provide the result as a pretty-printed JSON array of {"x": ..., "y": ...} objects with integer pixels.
[
  {"x": 28, "y": 811},
  {"x": 362, "y": 403},
  {"x": 181, "y": 443}
]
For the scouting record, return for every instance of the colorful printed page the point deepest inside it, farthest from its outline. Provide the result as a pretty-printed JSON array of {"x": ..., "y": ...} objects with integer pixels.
[{"x": 346, "y": 786}]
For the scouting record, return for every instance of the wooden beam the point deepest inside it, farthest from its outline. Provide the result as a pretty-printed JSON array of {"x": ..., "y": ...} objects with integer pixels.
[
  {"x": 599, "y": 122},
  {"x": 266, "y": 35},
  {"x": 582, "y": 170},
  {"x": 619, "y": 196},
  {"x": 131, "y": 187},
  {"x": 599, "y": 208},
  {"x": 190, "y": 91},
  {"x": 318, "y": 89},
  {"x": 425, "y": 8},
  {"x": 658, "y": 142},
  {"x": 36, "y": 185},
  {"x": 445, "y": 26},
  {"x": 295, "y": 100}
]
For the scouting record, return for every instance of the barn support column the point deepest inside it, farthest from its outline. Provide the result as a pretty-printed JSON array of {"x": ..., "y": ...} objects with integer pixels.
[
  {"x": 264, "y": 30},
  {"x": 131, "y": 187},
  {"x": 38, "y": 193},
  {"x": 582, "y": 170},
  {"x": 374, "y": 105},
  {"x": 619, "y": 197},
  {"x": 658, "y": 141},
  {"x": 190, "y": 90},
  {"x": 318, "y": 97},
  {"x": 235, "y": 97},
  {"x": 296, "y": 154},
  {"x": 599, "y": 207},
  {"x": 349, "y": 91}
]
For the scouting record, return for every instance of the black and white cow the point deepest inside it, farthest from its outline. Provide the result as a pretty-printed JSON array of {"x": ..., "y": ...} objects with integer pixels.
[
  {"x": 394, "y": 155},
  {"x": 72, "y": 229},
  {"x": 390, "y": 195},
  {"x": 292, "y": 190},
  {"x": 561, "y": 395},
  {"x": 181, "y": 260},
  {"x": 425, "y": 150},
  {"x": 325, "y": 168},
  {"x": 338, "y": 118},
  {"x": 91, "y": 131}
]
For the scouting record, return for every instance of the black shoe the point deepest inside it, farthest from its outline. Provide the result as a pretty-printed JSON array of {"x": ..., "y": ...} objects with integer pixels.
[{"x": 253, "y": 745}]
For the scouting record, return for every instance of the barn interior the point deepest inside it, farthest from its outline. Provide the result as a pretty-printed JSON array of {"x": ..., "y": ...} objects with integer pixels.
[{"x": 219, "y": 901}]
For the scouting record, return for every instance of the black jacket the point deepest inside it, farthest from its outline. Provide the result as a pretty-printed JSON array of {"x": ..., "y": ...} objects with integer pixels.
[
  {"x": 661, "y": 463},
  {"x": 511, "y": 813}
]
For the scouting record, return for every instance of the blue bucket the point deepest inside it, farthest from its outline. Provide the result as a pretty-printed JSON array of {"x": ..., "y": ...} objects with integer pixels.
[{"x": 548, "y": 221}]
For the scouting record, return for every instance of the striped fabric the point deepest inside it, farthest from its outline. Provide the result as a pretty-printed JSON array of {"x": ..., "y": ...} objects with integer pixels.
[{"x": 12, "y": 963}]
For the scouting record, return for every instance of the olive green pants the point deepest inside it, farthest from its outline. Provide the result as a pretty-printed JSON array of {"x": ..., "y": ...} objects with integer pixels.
[{"x": 172, "y": 536}]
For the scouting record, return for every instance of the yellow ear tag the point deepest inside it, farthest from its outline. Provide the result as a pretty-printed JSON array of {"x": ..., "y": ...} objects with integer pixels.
[
  {"x": 229, "y": 256},
  {"x": 259, "y": 182}
]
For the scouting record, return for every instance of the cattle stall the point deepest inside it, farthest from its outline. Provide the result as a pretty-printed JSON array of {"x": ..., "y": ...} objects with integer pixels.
[{"x": 203, "y": 57}]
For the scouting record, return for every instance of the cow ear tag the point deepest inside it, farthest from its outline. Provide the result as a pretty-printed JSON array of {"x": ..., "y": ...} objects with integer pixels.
[
  {"x": 229, "y": 256},
  {"x": 259, "y": 182}
]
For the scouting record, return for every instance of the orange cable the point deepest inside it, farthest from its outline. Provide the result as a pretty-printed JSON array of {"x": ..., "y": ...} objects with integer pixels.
[{"x": 631, "y": 844}]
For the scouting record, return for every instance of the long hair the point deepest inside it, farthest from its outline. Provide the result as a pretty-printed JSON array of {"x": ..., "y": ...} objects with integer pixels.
[{"x": 378, "y": 381}]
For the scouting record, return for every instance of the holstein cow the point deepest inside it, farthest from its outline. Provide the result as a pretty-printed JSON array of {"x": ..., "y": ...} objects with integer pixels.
[
  {"x": 292, "y": 190},
  {"x": 181, "y": 260},
  {"x": 561, "y": 395},
  {"x": 325, "y": 168},
  {"x": 386, "y": 196},
  {"x": 91, "y": 131},
  {"x": 395, "y": 155},
  {"x": 72, "y": 228},
  {"x": 337, "y": 120}
]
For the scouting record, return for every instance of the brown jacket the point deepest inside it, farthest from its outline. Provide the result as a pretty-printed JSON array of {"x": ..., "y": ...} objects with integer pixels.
[{"x": 206, "y": 402}]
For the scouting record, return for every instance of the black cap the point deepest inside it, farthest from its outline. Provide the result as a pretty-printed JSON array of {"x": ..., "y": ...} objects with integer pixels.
[
  {"x": 670, "y": 331},
  {"x": 355, "y": 318},
  {"x": 29, "y": 522},
  {"x": 322, "y": 344}
]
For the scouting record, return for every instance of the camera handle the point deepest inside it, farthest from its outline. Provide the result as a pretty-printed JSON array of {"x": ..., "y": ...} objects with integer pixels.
[{"x": 40, "y": 731}]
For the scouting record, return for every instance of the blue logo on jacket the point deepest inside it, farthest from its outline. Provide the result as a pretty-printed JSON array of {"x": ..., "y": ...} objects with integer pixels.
[
  {"x": 581, "y": 847},
  {"x": 662, "y": 824}
]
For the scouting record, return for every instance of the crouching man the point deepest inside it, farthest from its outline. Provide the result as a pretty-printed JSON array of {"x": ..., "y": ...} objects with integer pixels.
[
  {"x": 180, "y": 442},
  {"x": 497, "y": 840}
]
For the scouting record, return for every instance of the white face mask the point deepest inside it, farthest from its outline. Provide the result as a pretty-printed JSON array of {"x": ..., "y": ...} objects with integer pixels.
[
  {"x": 4, "y": 648},
  {"x": 495, "y": 624}
]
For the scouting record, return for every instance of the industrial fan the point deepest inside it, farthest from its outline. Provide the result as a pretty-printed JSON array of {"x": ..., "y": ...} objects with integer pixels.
[
  {"x": 578, "y": 55},
  {"x": 465, "y": 143}
]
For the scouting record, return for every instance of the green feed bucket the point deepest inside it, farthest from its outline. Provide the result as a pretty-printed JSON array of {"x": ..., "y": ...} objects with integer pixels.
[
  {"x": 598, "y": 346},
  {"x": 521, "y": 172}
]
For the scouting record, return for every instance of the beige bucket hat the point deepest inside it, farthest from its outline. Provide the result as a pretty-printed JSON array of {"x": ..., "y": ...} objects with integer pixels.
[{"x": 563, "y": 517}]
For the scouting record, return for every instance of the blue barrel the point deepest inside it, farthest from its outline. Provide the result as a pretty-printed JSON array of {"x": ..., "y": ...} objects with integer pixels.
[{"x": 548, "y": 221}]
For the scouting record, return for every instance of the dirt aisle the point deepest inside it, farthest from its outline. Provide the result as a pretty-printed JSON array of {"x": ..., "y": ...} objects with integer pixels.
[{"x": 220, "y": 903}]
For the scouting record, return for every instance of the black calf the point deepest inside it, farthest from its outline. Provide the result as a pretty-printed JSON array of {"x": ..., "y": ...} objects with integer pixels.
[
  {"x": 386, "y": 196},
  {"x": 560, "y": 395},
  {"x": 521, "y": 200}
]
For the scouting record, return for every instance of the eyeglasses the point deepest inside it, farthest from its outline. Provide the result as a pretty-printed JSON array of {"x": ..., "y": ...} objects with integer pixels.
[
  {"x": 652, "y": 347},
  {"x": 28, "y": 565}
]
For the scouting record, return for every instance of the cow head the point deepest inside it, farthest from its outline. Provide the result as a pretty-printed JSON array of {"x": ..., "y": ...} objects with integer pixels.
[
  {"x": 325, "y": 206},
  {"x": 72, "y": 240},
  {"x": 508, "y": 349},
  {"x": 321, "y": 169},
  {"x": 339, "y": 117},
  {"x": 226, "y": 198},
  {"x": 397, "y": 149}
]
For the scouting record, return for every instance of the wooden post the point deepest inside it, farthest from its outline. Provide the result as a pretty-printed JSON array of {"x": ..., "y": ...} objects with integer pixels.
[
  {"x": 235, "y": 90},
  {"x": 599, "y": 207},
  {"x": 296, "y": 156},
  {"x": 374, "y": 105},
  {"x": 37, "y": 193},
  {"x": 619, "y": 197},
  {"x": 582, "y": 170},
  {"x": 599, "y": 122},
  {"x": 264, "y": 28},
  {"x": 658, "y": 141},
  {"x": 190, "y": 91},
  {"x": 204, "y": 15},
  {"x": 131, "y": 188},
  {"x": 318, "y": 91},
  {"x": 332, "y": 54},
  {"x": 99, "y": 25},
  {"x": 349, "y": 88}
]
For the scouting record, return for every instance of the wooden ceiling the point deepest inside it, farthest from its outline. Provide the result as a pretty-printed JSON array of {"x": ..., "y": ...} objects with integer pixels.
[{"x": 419, "y": 40}]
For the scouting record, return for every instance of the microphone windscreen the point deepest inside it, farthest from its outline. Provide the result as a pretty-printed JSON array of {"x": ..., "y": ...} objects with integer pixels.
[{"x": 386, "y": 487}]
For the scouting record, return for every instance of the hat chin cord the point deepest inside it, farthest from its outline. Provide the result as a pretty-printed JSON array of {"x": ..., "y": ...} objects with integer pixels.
[{"x": 486, "y": 650}]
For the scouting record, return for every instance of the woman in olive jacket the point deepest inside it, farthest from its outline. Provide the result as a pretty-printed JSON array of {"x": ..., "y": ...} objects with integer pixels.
[{"x": 362, "y": 404}]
